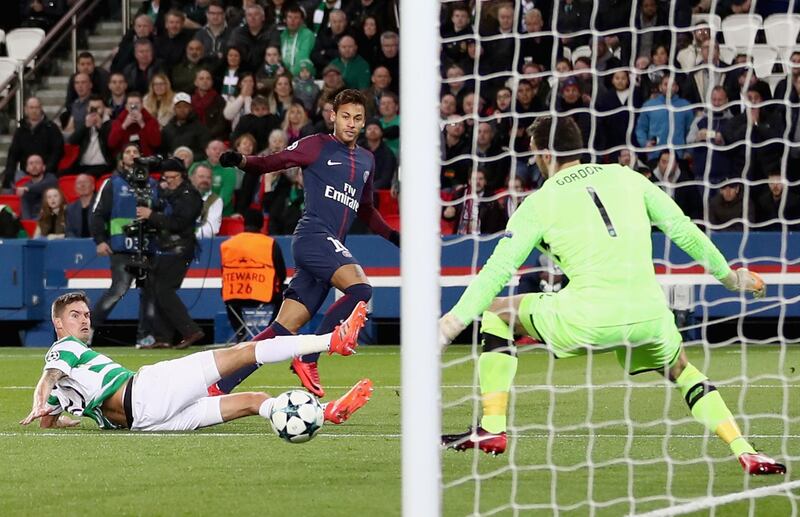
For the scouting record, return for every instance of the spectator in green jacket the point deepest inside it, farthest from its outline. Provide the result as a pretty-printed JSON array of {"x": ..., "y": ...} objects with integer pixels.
[
  {"x": 223, "y": 179},
  {"x": 355, "y": 69},
  {"x": 297, "y": 41}
]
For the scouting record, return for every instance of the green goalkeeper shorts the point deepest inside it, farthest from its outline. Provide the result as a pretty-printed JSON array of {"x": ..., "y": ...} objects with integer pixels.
[{"x": 640, "y": 347}]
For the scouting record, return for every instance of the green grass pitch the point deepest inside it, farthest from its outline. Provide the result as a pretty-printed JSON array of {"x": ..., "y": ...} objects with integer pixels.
[{"x": 241, "y": 468}]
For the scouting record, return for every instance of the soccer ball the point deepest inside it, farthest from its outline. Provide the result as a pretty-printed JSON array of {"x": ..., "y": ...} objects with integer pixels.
[{"x": 297, "y": 416}]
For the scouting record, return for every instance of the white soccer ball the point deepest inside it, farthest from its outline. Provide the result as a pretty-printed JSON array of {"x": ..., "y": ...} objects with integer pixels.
[{"x": 297, "y": 416}]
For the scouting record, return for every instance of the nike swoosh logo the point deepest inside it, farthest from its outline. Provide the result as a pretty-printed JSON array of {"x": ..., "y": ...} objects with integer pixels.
[{"x": 332, "y": 163}]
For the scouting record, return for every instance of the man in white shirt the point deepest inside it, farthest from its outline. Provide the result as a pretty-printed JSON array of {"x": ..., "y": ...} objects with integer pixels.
[{"x": 211, "y": 216}]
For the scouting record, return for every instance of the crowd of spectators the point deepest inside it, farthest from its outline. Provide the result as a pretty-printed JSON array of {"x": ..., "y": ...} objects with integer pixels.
[
  {"x": 196, "y": 77},
  {"x": 651, "y": 92}
]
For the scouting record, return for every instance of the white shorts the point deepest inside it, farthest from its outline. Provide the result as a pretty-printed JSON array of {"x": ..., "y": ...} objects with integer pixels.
[{"x": 173, "y": 395}]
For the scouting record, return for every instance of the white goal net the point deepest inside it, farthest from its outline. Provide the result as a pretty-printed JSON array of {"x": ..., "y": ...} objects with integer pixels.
[{"x": 703, "y": 98}]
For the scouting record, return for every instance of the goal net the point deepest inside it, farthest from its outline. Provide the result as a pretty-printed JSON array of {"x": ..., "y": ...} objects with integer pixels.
[{"x": 703, "y": 98}]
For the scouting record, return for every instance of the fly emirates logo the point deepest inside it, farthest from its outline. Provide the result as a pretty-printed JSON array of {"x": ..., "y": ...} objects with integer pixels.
[{"x": 347, "y": 198}]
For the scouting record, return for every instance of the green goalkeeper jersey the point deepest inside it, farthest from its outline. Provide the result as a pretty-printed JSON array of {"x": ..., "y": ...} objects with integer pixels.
[{"x": 595, "y": 222}]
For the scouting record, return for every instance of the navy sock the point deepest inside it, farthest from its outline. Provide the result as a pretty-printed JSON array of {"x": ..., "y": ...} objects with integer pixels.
[
  {"x": 340, "y": 310},
  {"x": 227, "y": 384}
]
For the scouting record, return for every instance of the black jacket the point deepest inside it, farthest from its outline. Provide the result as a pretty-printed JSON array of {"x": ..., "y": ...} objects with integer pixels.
[
  {"x": 176, "y": 229},
  {"x": 82, "y": 136},
  {"x": 259, "y": 127},
  {"x": 45, "y": 140},
  {"x": 190, "y": 133}
]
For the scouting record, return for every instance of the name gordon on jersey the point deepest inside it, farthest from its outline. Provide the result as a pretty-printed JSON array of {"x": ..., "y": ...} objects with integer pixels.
[
  {"x": 345, "y": 198},
  {"x": 583, "y": 172}
]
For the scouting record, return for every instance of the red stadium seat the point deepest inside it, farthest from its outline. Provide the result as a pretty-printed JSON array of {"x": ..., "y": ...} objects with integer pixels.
[
  {"x": 67, "y": 186},
  {"x": 387, "y": 205},
  {"x": 71, "y": 153},
  {"x": 231, "y": 226},
  {"x": 30, "y": 226},
  {"x": 12, "y": 201},
  {"x": 393, "y": 220}
]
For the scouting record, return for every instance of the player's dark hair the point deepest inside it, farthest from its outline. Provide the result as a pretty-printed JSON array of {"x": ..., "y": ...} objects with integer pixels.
[
  {"x": 349, "y": 96},
  {"x": 566, "y": 142},
  {"x": 60, "y": 303}
]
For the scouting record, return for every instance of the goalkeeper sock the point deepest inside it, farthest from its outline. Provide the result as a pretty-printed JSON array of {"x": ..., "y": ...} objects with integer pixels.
[
  {"x": 709, "y": 409},
  {"x": 497, "y": 366},
  {"x": 227, "y": 384}
]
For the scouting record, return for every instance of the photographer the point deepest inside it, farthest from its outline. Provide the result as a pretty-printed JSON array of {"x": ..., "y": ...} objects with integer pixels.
[
  {"x": 174, "y": 221},
  {"x": 114, "y": 211},
  {"x": 94, "y": 156}
]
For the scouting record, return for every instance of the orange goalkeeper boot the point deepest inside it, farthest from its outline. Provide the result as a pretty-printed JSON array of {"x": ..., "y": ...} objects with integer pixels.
[
  {"x": 760, "y": 464},
  {"x": 342, "y": 408},
  {"x": 490, "y": 443}
]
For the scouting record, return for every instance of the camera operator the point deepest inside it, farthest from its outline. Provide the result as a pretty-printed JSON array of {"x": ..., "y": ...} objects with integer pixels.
[
  {"x": 114, "y": 211},
  {"x": 174, "y": 221}
]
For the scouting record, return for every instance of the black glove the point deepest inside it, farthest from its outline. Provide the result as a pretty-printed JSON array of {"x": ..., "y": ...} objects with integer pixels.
[
  {"x": 394, "y": 238},
  {"x": 230, "y": 159}
]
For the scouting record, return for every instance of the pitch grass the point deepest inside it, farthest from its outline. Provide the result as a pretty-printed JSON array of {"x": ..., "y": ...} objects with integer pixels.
[{"x": 240, "y": 468}]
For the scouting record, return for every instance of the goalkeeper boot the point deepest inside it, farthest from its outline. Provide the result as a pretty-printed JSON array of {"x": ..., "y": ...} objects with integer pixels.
[
  {"x": 490, "y": 443},
  {"x": 760, "y": 464},
  {"x": 342, "y": 408}
]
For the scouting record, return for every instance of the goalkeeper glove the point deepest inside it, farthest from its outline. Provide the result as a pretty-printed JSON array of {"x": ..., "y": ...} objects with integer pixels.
[
  {"x": 449, "y": 328},
  {"x": 747, "y": 281}
]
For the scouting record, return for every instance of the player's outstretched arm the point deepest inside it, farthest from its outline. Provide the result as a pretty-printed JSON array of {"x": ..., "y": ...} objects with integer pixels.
[
  {"x": 521, "y": 236},
  {"x": 300, "y": 154},
  {"x": 668, "y": 216},
  {"x": 43, "y": 388}
]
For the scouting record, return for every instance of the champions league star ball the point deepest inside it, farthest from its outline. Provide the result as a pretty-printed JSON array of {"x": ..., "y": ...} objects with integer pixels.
[{"x": 297, "y": 416}]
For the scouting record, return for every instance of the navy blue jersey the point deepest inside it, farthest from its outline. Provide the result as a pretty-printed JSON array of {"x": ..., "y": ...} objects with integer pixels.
[{"x": 337, "y": 182}]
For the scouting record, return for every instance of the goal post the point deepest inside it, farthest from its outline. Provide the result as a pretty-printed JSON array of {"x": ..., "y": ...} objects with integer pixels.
[{"x": 419, "y": 259}]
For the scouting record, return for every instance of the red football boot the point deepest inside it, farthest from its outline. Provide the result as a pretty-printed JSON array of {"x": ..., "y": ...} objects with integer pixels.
[
  {"x": 342, "y": 408},
  {"x": 490, "y": 443},
  {"x": 344, "y": 339},
  {"x": 309, "y": 376},
  {"x": 760, "y": 464}
]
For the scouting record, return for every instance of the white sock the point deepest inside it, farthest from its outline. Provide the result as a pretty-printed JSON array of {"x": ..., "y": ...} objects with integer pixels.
[
  {"x": 281, "y": 348},
  {"x": 265, "y": 409}
]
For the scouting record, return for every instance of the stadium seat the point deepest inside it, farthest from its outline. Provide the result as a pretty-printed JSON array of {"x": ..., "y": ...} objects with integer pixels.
[
  {"x": 71, "y": 153},
  {"x": 387, "y": 205},
  {"x": 764, "y": 58},
  {"x": 8, "y": 68},
  {"x": 2, "y": 36},
  {"x": 784, "y": 54},
  {"x": 21, "y": 43},
  {"x": 30, "y": 226},
  {"x": 582, "y": 51},
  {"x": 727, "y": 54},
  {"x": 713, "y": 20},
  {"x": 781, "y": 30},
  {"x": 12, "y": 201},
  {"x": 67, "y": 186},
  {"x": 393, "y": 221},
  {"x": 739, "y": 30},
  {"x": 773, "y": 80},
  {"x": 231, "y": 226}
]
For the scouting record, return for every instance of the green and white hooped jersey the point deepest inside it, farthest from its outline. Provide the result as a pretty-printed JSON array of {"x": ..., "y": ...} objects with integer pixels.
[{"x": 91, "y": 378}]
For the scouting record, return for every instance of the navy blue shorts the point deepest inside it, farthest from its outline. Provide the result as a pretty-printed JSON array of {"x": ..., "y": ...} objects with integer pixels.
[{"x": 317, "y": 256}]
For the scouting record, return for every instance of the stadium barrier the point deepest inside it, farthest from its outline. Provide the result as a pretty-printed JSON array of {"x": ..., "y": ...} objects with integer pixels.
[{"x": 35, "y": 272}]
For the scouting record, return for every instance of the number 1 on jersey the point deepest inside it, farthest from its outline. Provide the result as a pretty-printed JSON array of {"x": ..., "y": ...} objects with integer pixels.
[{"x": 602, "y": 209}]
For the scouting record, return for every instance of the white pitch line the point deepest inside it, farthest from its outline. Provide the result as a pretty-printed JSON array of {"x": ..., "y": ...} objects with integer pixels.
[
  {"x": 516, "y": 386},
  {"x": 714, "y": 501},
  {"x": 90, "y": 432}
]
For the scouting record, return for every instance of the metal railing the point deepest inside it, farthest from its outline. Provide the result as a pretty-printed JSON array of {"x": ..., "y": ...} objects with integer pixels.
[{"x": 66, "y": 26}]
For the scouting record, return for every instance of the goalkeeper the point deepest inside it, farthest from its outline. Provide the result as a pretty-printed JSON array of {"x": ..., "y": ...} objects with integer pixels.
[{"x": 595, "y": 222}]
